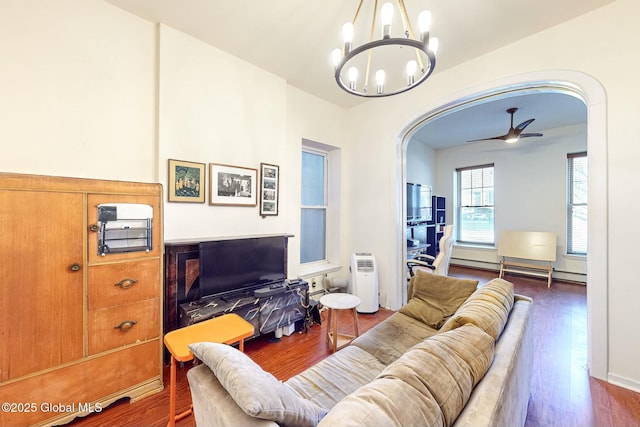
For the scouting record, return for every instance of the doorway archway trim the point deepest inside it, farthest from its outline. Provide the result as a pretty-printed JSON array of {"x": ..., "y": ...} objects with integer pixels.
[{"x": 592, "y": 93}]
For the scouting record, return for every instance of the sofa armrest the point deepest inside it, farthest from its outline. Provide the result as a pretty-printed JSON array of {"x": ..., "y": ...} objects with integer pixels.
[{"x": 213, "y": 406}]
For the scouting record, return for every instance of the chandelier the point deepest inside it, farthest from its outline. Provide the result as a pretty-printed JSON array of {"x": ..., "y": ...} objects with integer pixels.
[{"x": 400, "y": 63}]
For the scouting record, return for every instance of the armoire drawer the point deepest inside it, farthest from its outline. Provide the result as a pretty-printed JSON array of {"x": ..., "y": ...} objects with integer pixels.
[
  {"x": 131, "y": 372},
  {"x": 122, "y": 283},
  {"x": 118, "y": 326}
]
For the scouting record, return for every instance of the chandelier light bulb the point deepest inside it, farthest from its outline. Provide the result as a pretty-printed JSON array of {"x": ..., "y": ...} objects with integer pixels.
[
  {"x": 433, "y": 45},
  {"x": 353, "y": 76},
  {"x": 424, "y": 25},
  {"x": 347, "y": 36},
  {"x": 380, "y": 75},
  {"x": 412, "y": 66},
  {"x": 336, "y": 56},
  {"x": 386, "y": 16}
]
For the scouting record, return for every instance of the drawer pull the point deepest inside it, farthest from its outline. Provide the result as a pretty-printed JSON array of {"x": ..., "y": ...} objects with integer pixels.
[
  {"x": 126, "y": 325},
  {"x": 126, "y": 283}
]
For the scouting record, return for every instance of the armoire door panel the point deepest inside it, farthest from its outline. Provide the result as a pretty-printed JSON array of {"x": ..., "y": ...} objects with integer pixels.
[{"x": 41, "y": 280}]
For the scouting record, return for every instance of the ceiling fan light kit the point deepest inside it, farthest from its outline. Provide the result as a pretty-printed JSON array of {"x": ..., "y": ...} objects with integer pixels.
[
  {"x": 515, "y": 133},
  {"x": 401, "y": 63}
]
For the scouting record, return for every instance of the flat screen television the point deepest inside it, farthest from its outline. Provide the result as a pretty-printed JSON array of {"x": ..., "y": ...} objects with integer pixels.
[
  {"x": 229, "y": 267},
  {"x": 418, "y": 202}
]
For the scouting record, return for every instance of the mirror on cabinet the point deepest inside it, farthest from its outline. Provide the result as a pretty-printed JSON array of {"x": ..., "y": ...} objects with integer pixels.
[{"x": 124, "y": 227}]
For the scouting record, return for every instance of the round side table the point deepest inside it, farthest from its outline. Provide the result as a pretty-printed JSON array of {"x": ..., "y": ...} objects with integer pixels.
[{"x": 335, "y": 302}]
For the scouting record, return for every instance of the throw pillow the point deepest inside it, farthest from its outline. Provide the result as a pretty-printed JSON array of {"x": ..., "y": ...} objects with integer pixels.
[
  {"x": 435, "y": 298},
  {"x": 258, "y": 393},
  {"x": 488, "y": 308}
]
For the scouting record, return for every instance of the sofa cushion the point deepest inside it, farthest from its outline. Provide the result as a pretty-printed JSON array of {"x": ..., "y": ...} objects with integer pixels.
[
  {"x": 385, "y": 402},
  {"x": 390, "y": 339},
  {"x": 331, "y": 380},
  {"x": 434, "y": 298},
  {"x": 257, "y": 392},
  {"x": 435, "y": 378},
  {"x": 488, "y": 308}
]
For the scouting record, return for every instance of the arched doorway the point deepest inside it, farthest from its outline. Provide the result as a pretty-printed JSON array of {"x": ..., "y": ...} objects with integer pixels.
[{"x": 592, "y": 93}]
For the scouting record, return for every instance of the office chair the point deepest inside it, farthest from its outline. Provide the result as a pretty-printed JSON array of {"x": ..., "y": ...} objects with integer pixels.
[{"x": 440, "y": 264}]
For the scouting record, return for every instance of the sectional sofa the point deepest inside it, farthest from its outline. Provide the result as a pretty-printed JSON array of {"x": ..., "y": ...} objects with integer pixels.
[{"x": 455, "y": 354}]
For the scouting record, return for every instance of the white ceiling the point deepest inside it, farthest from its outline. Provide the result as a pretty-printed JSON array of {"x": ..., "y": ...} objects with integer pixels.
[
  {"x": 294, "y": 38},
  {"x": 550, "y": 111}
]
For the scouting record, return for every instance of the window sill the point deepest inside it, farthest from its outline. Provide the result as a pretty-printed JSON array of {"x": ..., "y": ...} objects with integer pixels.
[
  {"x": 575, "y": 257},
  {"x": 317, "y": 269}
]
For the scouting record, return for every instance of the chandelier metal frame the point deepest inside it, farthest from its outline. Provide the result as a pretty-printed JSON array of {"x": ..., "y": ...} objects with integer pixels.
[{"x": 422, "y": 45}]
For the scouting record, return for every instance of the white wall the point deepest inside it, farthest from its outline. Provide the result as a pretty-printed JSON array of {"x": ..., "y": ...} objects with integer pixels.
[
  {"x": 420, "y": 164},
  {"x": 570, "y": 46},
  {"x": 205, "y": 116},
  {"x": 320, "y": 122},
  {"x": 77, "y": 90},
  {"x": 530, "y": 190},
  {"x": 217, "y": 108}
]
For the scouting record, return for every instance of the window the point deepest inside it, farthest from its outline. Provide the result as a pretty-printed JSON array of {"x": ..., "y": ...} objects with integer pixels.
[
  {"x": 577, "y": 203},
  {"x": 476, "y": 205},
  {"x": 314, "y": 206}
]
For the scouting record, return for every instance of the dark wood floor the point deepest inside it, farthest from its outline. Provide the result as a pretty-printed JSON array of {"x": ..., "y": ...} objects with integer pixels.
[{"x": 562, "y": 393}]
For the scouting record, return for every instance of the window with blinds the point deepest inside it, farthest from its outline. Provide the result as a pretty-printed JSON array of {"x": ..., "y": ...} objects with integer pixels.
[
  {"x": 475, "y": 209},
  {"x": 577, "y": 206}
]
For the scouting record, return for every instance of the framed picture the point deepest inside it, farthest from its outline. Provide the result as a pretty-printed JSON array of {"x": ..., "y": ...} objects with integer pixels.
[
  {"x": 232, "y": 185},
  {"x": 186, "y": 181},
  {"x": 269, "y": 191}
]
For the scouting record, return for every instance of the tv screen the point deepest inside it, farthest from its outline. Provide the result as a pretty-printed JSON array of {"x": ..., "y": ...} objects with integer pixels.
[
  {"x": 228, "y": 266},
  {"x": 418, "y": 202}
]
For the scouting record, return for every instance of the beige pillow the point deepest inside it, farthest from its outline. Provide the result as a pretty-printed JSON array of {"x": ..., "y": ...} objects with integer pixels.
[
  {"x": 258, "y": 393},
  {"x": 488, "y": 308},
  {"x": 435, "y": 298}
]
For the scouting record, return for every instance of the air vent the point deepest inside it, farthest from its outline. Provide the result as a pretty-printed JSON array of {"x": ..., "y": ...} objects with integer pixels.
[{"x": 365, "y": 265}]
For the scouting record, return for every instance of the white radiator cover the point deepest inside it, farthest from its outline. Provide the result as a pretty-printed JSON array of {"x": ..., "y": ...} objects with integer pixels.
[{"x": 364, "y": 281}]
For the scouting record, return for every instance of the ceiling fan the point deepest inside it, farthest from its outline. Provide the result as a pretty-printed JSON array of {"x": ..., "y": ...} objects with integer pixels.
[{"x": 514, "y": 134}]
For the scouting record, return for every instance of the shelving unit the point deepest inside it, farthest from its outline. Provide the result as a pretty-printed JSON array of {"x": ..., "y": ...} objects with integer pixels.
[{"x": 437, "y": 224}]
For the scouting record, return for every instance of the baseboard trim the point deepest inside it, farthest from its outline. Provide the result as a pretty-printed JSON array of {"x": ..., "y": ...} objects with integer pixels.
[
  {"x": 563, "y": 276},
  {"x": 624, "y": 382}
]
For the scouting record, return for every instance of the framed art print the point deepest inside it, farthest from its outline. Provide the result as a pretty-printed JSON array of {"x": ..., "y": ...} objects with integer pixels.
[
  {"x": 269, "y": 191},
  {"x": 186, "y": 181},
  {"x": 232, "y": 185}
]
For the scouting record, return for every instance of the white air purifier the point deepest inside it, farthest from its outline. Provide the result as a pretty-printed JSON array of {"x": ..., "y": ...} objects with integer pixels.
[{"x": 364, "y": 281}]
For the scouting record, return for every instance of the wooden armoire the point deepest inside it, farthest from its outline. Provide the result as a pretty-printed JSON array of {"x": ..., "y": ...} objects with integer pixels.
[{"x": 80, "y": 296}]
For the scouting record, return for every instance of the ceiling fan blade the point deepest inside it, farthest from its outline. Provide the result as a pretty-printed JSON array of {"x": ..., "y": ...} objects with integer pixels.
[
  {"x": 529, "y": 135},
  {"x": 503, "y": 137},
  {"x": 523, "y": 125}
]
